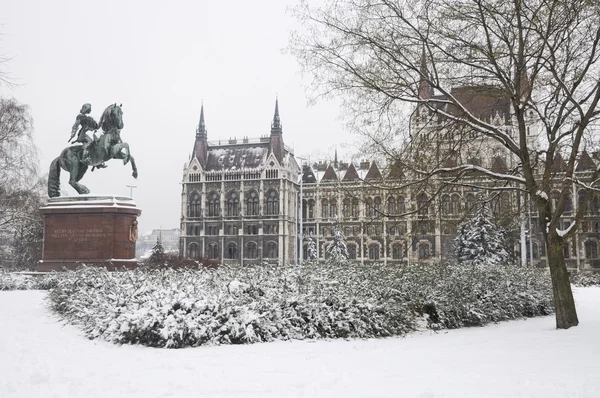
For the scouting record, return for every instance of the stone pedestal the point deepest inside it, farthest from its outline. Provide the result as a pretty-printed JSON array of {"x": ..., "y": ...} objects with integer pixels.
[{"x": 91, "y": 230}]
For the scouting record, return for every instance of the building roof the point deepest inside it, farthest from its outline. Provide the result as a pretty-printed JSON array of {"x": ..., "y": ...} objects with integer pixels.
[{"x": 235, "y": 157}]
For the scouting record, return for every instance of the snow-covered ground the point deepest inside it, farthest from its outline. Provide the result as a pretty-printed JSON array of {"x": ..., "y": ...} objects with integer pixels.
[{"x": 40, "y": 357}]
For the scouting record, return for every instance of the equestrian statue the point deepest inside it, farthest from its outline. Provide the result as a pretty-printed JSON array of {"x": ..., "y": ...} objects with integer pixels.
[{"x": 94, "y": 152}]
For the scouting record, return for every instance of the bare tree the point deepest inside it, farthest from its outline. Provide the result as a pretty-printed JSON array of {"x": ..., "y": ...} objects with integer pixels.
[
  {"x": 18, "y": 164},
  {"x": 537, "y": 58}
]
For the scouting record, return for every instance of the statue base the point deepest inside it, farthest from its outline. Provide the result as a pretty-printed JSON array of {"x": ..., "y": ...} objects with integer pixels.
[{"x": 95, "y": 230}]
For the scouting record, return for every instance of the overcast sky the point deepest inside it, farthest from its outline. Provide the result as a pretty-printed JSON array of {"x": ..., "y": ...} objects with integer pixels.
[{"x": 160, "y": 60}]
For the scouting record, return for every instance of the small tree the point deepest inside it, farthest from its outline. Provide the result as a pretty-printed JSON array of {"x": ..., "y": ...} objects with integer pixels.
[
  {"x": 158, "y": 254},
  {"x": 337, "y": 250},
  {"x": 312, "y": 249},
  {"x": 480, "y": 241}
]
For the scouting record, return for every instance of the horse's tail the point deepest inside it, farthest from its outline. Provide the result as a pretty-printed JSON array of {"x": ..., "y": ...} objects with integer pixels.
[{"x": 54, "y": 178}]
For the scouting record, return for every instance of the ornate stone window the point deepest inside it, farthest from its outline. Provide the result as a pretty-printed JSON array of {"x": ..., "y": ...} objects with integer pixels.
[
  {"x": 424, "y": 251},
  {"x": 351, "y": 251},
  {"x": 391, "y": 206},
  {"x": 369, "y": 207},
  {"x": 355, "y": 208},
  {"x": 591, "y": 250},
  {"x": 193, "y": 251},
  {"x": 422, "y": 204},
  {"x": 272, "y": 203},
  {"x": 251, "y": 250},
  {"x": 212, "y": 251},
  {"x": 324, "y": 208},
  {"x": 377, "y": 206},
  {"x": 194, "y": 205},
  {"x": 252, "y": 204},
  {"x": 346, "y": 207},
  {"x": 373, "y": 251},
  {"x": 400, "y": 205},
  {"x": 213, "y": 204},
  {"x": 397, "y": 251},
  {"x": 333, "y": 208},
  {"x": 233, "y": 205},
  {"x": 231, "y": 251},
  {"x": 272, "y": 251}
]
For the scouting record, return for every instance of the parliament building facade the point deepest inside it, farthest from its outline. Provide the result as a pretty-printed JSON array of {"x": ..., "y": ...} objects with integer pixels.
[{"x": 241, "y": 201}]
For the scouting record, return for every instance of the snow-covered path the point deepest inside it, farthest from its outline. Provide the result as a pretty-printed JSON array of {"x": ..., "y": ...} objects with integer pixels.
[{"x": 40, "y": 357}]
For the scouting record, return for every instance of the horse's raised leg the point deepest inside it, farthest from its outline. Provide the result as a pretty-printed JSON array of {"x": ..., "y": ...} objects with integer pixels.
[
  {"x": 127, "y": 158},
  {"x": 77, "y": 171}
]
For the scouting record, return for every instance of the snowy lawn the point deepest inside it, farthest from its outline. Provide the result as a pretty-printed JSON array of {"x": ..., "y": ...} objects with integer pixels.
[{"x": 42, "y": 357}]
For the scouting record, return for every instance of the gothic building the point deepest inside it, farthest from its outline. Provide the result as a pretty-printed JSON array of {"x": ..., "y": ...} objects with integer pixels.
[{"x": 239, "y": 199}]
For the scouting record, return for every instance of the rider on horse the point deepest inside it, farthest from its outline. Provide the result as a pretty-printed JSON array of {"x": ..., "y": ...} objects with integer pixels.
[{"x": 87, "y": 123}]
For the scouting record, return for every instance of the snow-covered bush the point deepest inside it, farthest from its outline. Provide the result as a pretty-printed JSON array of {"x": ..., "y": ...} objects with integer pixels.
[
  {"x": 20, "y": 281},
  {"x": 584, "y": 279},
  {"x": 233, "y": 305},
  {"x": 480, "y": 241}
]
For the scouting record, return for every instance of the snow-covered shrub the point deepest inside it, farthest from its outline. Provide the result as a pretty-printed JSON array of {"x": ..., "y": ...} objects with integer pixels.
[
  {"x": 233, "y": 305},
  {"x": 20, "y": 281},
  {"x": 584, "y": 279}
]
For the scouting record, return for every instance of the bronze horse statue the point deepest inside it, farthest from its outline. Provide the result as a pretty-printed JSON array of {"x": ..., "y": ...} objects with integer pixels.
[{"x": 108, "y": 146}]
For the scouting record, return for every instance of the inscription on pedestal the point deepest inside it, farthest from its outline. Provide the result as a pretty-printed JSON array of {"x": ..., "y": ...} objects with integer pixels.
[{"x": 78, "y": 234}]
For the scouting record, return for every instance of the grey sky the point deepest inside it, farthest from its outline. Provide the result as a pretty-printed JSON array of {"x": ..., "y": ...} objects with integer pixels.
[{"x": 160, "y": 60}]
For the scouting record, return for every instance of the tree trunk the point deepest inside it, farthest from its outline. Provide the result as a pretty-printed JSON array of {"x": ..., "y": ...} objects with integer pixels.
[{"x": 564, "y": 304}]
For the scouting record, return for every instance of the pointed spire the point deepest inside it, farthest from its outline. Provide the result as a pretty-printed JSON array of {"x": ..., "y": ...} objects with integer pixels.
[
  {"x": 425, "y": 90},
  {"x": 335, "y": 159},
  {"x": 201, "y": 130},
  {"x": 276, "y": 125}
]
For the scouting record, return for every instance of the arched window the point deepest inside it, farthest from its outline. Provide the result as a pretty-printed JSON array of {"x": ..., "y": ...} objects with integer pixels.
[
  {"x": 272, "y": 203},
  {"x": 568, "y": 204},
  {"x": 346, "y": 207},
  {"x": 272, "y": 251},
  {"x": 252, "y": 204},
  {"x": 213, "y": 204},
  {"x": 333, "y": 208},
  {"x": 424, "y": 252},
  {"x": 213, "y": 251},
  {"x": 194, "y": 205},
  {"x": 591, "y": 250},
  {"x": 374, "y": 251},
  {"x": 391, "y": 206},
  {"x": 455, "y": 204},
  {"x": 311, "y": 208},
  {"x": 355, "y": 208},
  {"x": 397, "y": 251},
  {"x": 351, "y": 251},
  {"x": 400, "y": 205},
  {"x": 445, "y": 204},
  {"x": 231, "y": 251},
  {"x": 193, "y": 251},
  {"x": 251, "y": 250},
  {"x": 566, "y": 251},
  {"x": 377, "y": 206},
  {"x": 422, "y": 204},
  {"x": 369, "y": 207},
  {"x": 325, "y": 208},
  {"x": 233, "y": 205}
]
